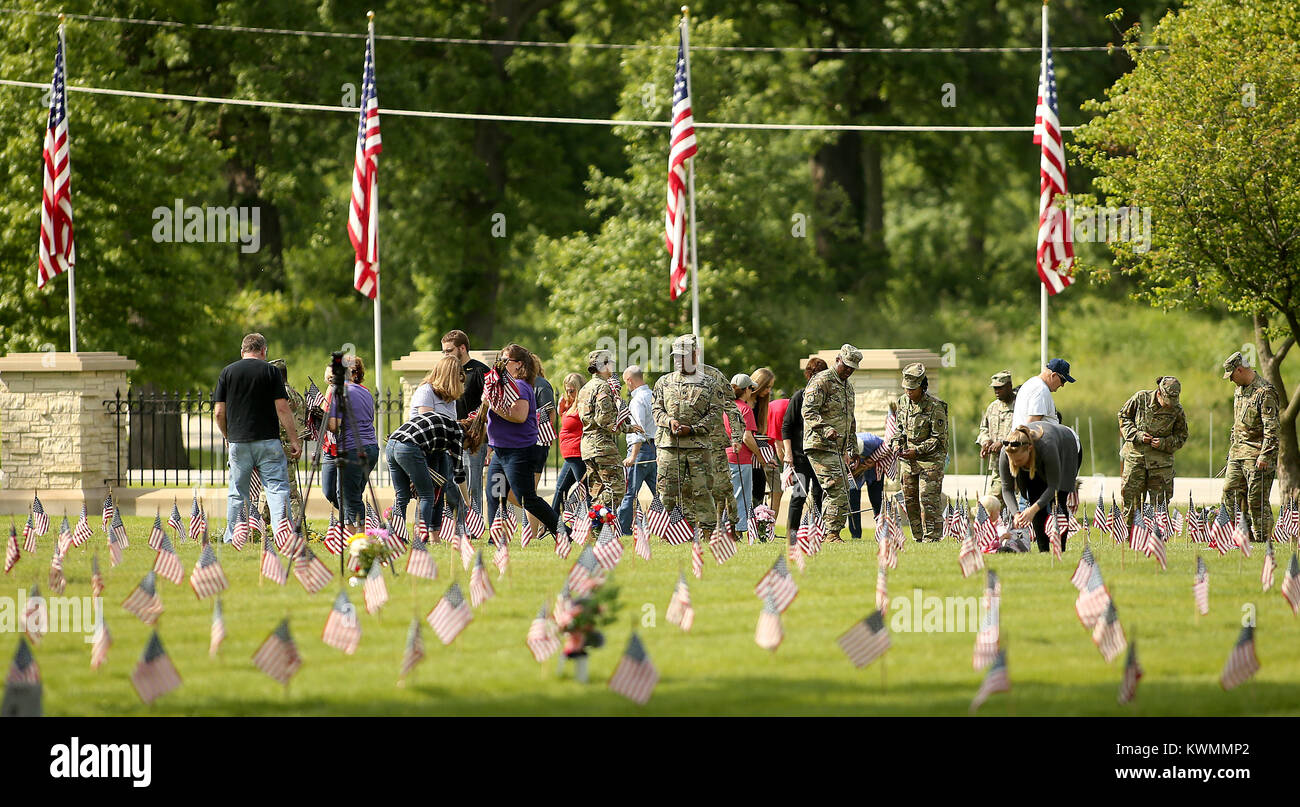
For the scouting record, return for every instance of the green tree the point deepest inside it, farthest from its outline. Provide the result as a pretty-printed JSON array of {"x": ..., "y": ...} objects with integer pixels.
[{"x": 1204, "y": 135}]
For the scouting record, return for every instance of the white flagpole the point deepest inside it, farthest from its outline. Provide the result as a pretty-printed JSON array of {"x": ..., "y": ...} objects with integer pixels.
[
  {"x": 690, "y": 180},
  {"x": 72, "y": 274},
  {"x": 1042, "y": 287},
  {"x": 374, "y": 222}
]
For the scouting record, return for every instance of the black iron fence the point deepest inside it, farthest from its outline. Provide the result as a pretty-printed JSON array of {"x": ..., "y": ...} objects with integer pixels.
[{"x": 172, "y": 438}]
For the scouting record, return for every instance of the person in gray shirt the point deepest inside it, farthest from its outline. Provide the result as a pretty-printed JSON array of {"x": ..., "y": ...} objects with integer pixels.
[{"x": 1040, "y": 460}]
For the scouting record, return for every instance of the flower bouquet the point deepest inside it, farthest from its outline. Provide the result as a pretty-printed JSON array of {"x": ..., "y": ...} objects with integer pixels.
[
  {"x": 766, "y": 519},
  {"x": 365, "y": 550},
  {"x": 600, "y": 514},
  {"x": 581, "y": 620}
]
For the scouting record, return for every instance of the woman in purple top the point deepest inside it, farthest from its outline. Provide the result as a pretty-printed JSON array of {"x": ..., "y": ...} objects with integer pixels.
[
  {"x": 512, "y": 433},
  {"x": 353, "y": 471}
]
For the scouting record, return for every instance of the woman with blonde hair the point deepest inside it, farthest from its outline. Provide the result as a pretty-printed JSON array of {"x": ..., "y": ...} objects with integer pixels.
[
  {"x": 439, "y": 389},
  {"x": 1041, "y": 461},
  {"x": 572, "y": 383}
]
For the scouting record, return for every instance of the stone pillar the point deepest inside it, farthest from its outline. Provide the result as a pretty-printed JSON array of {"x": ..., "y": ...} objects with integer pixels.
[
  {"x": 878, "y": 381},
  {"x": 55, "y": 432},
  {"x": 414, "y": 366}
]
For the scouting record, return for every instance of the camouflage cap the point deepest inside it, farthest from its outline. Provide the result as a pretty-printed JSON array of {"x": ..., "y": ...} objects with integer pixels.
[
  {"x": 912, "y": 375},
  {"x": 685, "y": 345},
  {"x": 850, "y": 356},
  {"x": 1170, "y": 388},
  {"x": 600, "y": 359},
  {"x": 1001, "y": 379},
  {"x": 1234, "y": 361},
  {"x": 278, "y": 364}
]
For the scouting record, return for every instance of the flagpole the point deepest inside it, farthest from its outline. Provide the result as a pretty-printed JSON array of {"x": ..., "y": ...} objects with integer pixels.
[
  {"x": 382, "y": 412},
  {"x": 1042, "y": 290},
  {"x": 72, "y": 276},
  {"x": 690, "y": 180}
]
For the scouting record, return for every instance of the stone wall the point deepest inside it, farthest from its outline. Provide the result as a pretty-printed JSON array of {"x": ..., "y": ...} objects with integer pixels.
[
  {"x": 414, "y": 366},
  {"x": 57, "y": 433}
]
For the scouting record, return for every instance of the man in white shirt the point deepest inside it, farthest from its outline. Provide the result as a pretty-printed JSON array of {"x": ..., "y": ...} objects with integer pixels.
[
  {"x": 1034, "y": 401},
  {"x": 640, "y": 462}
]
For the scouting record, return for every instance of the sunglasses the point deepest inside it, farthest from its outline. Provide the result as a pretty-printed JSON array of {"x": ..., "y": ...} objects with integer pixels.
[{"x": 1014, "y": 444}]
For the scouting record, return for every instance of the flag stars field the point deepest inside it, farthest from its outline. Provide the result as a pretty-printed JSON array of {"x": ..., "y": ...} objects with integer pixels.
[{"x": 714, "y": 669}]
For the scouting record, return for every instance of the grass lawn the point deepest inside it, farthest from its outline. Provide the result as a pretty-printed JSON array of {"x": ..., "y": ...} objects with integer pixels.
[{"x": 716, "y": 669}]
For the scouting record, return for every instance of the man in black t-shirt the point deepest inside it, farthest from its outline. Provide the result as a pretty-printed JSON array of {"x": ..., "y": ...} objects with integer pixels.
[
  {"x": 456, "y": 343},
  {"x": 250, "y": 406}
]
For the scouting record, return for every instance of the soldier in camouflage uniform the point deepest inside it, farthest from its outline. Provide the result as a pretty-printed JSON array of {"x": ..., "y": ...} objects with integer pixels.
[
  {"x": 598, "y": 410},
  {"x": 686, "y": 407},
  {"x": 995, "y": 426},
  {"x": 298, "y": 408},
  {"x": 1252, "y": 455},
  {"x": 1154, "y": 426},
  {"x": 830, "y": 433},
  {"x": 922, "y": 445}
]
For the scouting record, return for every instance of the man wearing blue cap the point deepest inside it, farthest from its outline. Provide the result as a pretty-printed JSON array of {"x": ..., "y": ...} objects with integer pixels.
[{"x": 1034, "y": 401}]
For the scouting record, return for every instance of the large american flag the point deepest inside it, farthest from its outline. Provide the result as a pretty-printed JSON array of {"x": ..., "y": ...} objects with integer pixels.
[
  {"x": 57, "y": 251},
  {"x": 363, "y": 216},
  {"x": 155, "y": 675},
  {"x": 1242, "y": 663},
  {"x": 635, "y": 676},
  {"x": 342, "y": 628},
  {"x": 1055, "y": 246},
  {"x": 278, "y": 656},
  {"x": 681, "y": 149}
]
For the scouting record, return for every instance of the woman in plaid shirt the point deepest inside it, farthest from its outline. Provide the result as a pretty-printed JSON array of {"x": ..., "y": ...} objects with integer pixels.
[{"x": 424, "y": 441}]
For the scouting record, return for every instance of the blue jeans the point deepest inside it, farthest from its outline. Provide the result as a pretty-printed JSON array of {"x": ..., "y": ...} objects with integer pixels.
[
  {"x": 875, "y": 491},
  {"x": 571, "y": 474},
  {"x": 354, "y": 474},
  {"x": 329, "y": 479},
  {"x": 407, "y": 466},
  {"x": 267, "y": 456},
  {"x": 474, "y": 475},
  {"x": 643, "y": 472},
  {"x": 742, "y": 480},
  {"x": 451, "y": 490},
  {"x": 512, "y": 469}
]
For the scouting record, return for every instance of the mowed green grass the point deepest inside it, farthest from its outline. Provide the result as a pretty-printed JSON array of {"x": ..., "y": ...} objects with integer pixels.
[{"x": 716, "y": 669}]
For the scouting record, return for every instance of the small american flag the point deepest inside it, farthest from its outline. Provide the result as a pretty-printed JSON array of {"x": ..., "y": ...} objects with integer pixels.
[
  {"x": 100, "y": 642},
  {"x": 678, "y": 530},
  {"x": 1084, "y": 570},
  {"x": 342, "y": 628},
  {"x": 82, "y": 532},
  {"x": 697, "y": 559},
  {"x": 167, "y": 564},
  {"x": 682, "y": 147},
  {"x": 1201, "y": 587},
  {"x": 1270, "y": 567},
  {"x": 882, "y": 589},
  {"x": 198, "y": 521},
  {"x": 372, "y": 520},
  {"x": 474, "y": 521},
  {"x": 1138, "y": 533},
  {"x": 680, "y": 612},
  {"x": 988, "y": 638},
  {"x": 793, "y": 552},
  {"x": 57, "y": 581},
  {"x": 285, "y": 534},
  {"x": 500, "y": 532},
  {"x": 255, "y": 524},
  {"x": 640, "y": 535},
  {"x": 586, "y": 574},
  {"x": 174, "y": 521},
  {"x": 36, "y": 618},
  {"x": 414, "y": 652},
  {"x": 768, "y": 633},
  {"x": 969, "y": 556},
  {"x": 313, "y": 397},
  {"x": 375, "y": 589},
  {"x": 656, "y": 519},
  {"x": 1118, "y": 527},
  {"x": 278, "y": 656},
  {"x": 450, "y": 616},
  {"x": 96, "y": 579},
  {"x": 272, "y": 567},
  {"x": 1241, "y": 533},
  {"x": 884, "y": 457},
  {"x": 11, "y": 549},
  {"x": 420, "y": 562},
  {"x": 24, "y": 670},
  {"x": 563, "y": 546},
  {"x": 1242, "y": 663},
  {"x": 542, "y": 641},
  {"x": 466, "y": 550},
  {"x": 446, "y": 528},
  {"x": 545, "y": 428},
  {"x": 608, "y": 548},
  {"x": 1156, "y": 546},
  {"x": 118, "y": 532},
  {"x": 887, "y": 551},
  {"x": 397, "y": 528},
  {"x": 40, "y": 520},
  {"x": 334, "y": 536},
  {"x": 156, "y": 533},
  {"x": 1132, "y": 674},
  {"x": 155, "y": 675},
  {"x": 1108, "y": 634},
  {"x": 721, "y": 543},
  {"x": 1053, "y": 526},
  {"x": 499, "y": 390},
  {"x": 144, "y": 601},
  {"x": 995, "y": 681},
  {"x": 109, "y": 510},
  {"x": 581, "y": 529},
  {"x": 866, "y": 641},
  {"x": 1092, "y": 600},
  {"x": 363, "y": 214},
  {"x": 778, "y": 584},
  {"x": 526, "y": 535},
  {"x": 218, "y": 633},
  {"x": 207, "y": 577},
  {"x": 635, "y": 677},
  {"x": 1291, "y": 585},
  {"x": 1220, "y": 532},
  {"x": 311, "y": 572},
  {"x": 254, "y": 489},
  {"x": 502, "y": 559}
]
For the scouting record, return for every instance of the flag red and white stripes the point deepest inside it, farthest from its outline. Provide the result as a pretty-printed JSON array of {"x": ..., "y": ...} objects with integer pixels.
[
  {"x": 1242, "y": 663},
  {"x": 450, "y": 616},
  {"x": 207, "y": 577},
  {"x": 100, "y": 642},
  {"x": 278, "y": 656},
  {"x": 342, "y": 628},
  {"x": 58, "y": 253},
  {"x": 866, "y": 641},
  {"x": 636, "y": 676},
  {"x": 768, "y": 634},
  {"x": 681, "y": 148},
  {"x": 155, "y": 675},
  {"x": 995, "y": 681},
  {"x": 680, "y": 612},
  {"x": 778, "y": 584},
  {"x": 542, "y": 641},
  {"x": 375, "y": 589},
  {"x": 144, "y": 601},
  {"x": 1055, "y": 241},
  {"x": 363, "y": 214},
  {"x": 414, "y": 653},
  {"x": 1132, "y": 674},
  {"x": 217, "y": 634},
  {"x": 420, "y": 562},
  {"x": 311, "y": 572}
]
